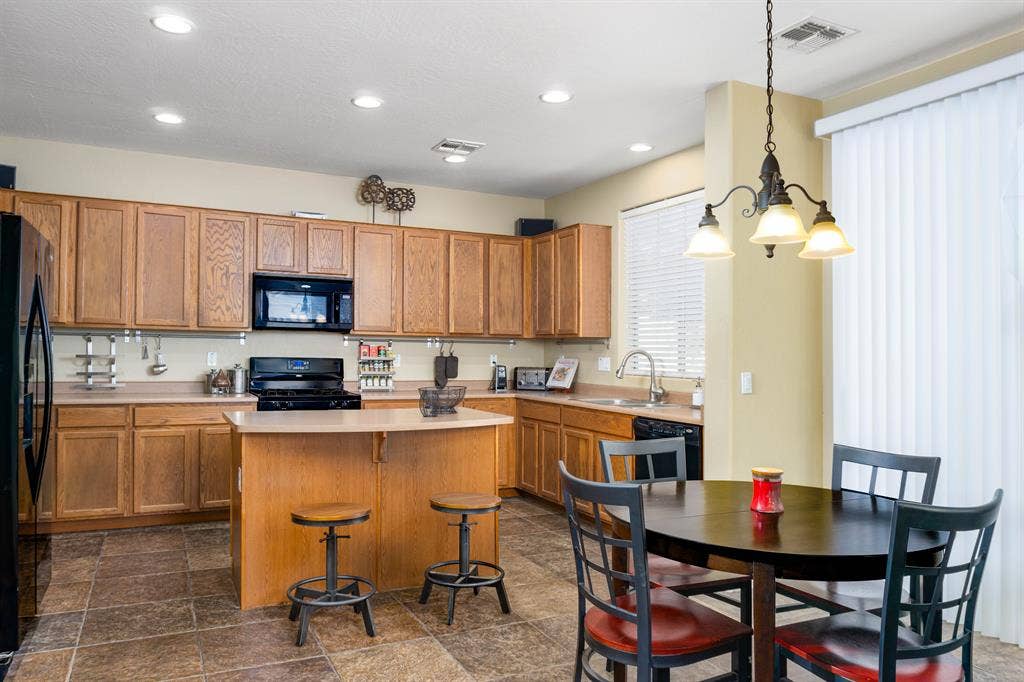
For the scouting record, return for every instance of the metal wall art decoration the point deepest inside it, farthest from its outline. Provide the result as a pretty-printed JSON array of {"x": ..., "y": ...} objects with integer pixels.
[
  {"x": 400, "y": 199},
  {"x": 372, "y": 191}
]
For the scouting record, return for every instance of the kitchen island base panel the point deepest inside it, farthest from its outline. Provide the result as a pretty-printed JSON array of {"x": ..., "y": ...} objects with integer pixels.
[{"x": 394, "y": 474}]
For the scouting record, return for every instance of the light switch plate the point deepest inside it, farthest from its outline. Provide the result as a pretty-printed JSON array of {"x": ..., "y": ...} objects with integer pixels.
[
  {"x": 211, "y": 358},
  {"x": 746, "y": 383},
  {"x": 398, "y": 360},
  {"x": 604, "y": 364}
]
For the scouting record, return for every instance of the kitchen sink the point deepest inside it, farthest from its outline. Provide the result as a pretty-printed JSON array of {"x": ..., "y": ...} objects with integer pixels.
[{"x": 624, "y": 402}]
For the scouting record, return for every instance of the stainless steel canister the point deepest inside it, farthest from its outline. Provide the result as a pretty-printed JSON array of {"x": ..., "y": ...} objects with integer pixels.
[{"x": 239, "y": 379}]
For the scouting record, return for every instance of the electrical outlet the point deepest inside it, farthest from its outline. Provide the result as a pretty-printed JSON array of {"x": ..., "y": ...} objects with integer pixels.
[
  {"x": 211, "y": 358},
  {"x": 494, "y": 359},
  {"x": 746, "y": 383},
  {"x": 398, "y": 360},
  {"x": 604, "y": 364}
]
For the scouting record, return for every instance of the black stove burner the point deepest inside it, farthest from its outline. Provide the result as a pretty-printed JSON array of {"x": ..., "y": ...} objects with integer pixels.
[
  {"x": 300, "y": 392},
  {"x": 300, "y": 384}
]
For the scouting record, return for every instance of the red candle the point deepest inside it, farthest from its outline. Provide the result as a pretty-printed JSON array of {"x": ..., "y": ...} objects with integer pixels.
[{"x": 767, "y": 490}]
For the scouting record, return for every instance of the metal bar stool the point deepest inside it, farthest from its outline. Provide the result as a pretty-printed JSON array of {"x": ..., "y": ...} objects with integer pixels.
[
  {"x": 469, "y": 569},
  {"x": 306, "y": 600}
]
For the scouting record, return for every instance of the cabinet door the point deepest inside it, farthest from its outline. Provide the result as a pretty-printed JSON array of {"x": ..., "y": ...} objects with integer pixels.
[
  {"x": 280, "y": 244},
  {"x": 92, "y": 473},
  {"x": 225, "y": 270},
  {"x": 567, "y": 283},
  {"x": 165, "y": 267},
  {"x": 214, "y": 467},
  {"x": 424, "y": 282},
  {"x": 104, "y": 262},
  {"x": 506, "y": 436},
  {"x": 6, "y": 200},
  {"x": 329, "y": 249},
  {"x": 467, "y": 255},
  {"x": 162, "y": 464},
  {"x": 578, "y": 448},
  {"x": 505, "y": 286},
  {"x": 54, "y": 217},
  {"x": 549, "y": 452},
  {"x": 377, "y": 269},
  {"x": 544, "y": 285},
  {"x": 529, "y": 440}
]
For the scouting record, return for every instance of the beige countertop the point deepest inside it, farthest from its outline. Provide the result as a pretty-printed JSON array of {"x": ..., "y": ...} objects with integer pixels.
[
  {"x": 163, "y": 392},
  {"x": 359, "y": 421}
]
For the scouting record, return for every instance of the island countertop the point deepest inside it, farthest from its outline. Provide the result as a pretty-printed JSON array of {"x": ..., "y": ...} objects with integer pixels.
[{"x": 359, "y": 421}]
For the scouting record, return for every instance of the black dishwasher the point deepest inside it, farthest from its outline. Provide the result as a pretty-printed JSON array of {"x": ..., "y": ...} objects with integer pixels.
[{"x": 652, "y": 429}]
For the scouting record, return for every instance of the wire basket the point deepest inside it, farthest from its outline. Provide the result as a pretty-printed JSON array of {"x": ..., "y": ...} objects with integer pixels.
[{"x": 435, "y": 401}]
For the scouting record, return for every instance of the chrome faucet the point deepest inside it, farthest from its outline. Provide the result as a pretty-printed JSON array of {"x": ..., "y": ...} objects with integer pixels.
[{"x": 657, "y": 392}]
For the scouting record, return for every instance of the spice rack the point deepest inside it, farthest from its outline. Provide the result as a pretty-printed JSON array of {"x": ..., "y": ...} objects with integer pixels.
[
  {"x": 376, "y": 365},
  {"x": 89, "y": 372}
]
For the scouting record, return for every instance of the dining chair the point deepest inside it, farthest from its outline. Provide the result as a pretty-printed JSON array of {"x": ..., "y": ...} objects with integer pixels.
[
  {"x": 864, "y": 646},
  {"x": 664, "y": 459},
  {"x": 840, "y": 597},
  {"x": 648, "y": 627}
]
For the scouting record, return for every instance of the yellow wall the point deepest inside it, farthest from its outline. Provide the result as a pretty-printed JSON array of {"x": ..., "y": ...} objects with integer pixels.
[
  {"x": 764, "y": 314},
  {"x": 64, "y": 168},
  {"x": 600, "y": 202}
]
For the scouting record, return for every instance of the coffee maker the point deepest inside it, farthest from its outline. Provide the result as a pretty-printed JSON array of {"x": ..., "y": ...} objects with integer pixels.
[{"x": 499, "y": 380}]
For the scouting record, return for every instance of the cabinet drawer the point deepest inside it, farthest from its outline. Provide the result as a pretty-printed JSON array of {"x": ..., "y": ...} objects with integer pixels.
[
  {"x": 385, "y": 404},
  {"x": 176, "y": 415},
  {"x": 611, "y": 423},
  {"x": 546, "y": 412},
  {"x": 497, "y": 405},
  {"x": 108, "y": 415}
]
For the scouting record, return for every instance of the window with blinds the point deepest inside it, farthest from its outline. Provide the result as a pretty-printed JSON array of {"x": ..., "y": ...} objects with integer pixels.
[{"x": 664, "y": 303}]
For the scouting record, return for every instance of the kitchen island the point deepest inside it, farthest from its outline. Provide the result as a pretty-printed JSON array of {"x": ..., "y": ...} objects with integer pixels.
[{"x": 391, "y": 460}]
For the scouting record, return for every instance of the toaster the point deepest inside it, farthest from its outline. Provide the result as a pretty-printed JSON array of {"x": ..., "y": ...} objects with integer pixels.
[{"x": 531, "y": 378}]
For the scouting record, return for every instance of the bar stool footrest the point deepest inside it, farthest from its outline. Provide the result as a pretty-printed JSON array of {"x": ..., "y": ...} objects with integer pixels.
[
  {"x": 303, "y": 596},
  {"x": 457, "y": 581}
]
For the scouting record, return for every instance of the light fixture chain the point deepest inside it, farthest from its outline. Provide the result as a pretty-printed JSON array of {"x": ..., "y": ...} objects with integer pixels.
[{"x": 769, "y": 145}]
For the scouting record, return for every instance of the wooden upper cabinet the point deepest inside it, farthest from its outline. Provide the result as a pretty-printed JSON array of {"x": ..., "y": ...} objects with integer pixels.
[
  {"x": 467, "y": 297},
  {"x": 54, "y": 217},
  {"x": 567, "y": 282},
  {"x": 104, "y": 262},
  {"x": 424, "y": 282},
  {"x": 543, "y": 272},
  {"x": 583, "y": 262},
  {"x": 505, "y": 294},
  {"x": 280, "y": 244},
  {"x": 163, "y": 462},
  {"x": 225, "y": 260},
  {"x": 165, "y": 267},
  {"x": 329, "y": 248},
  {"x": 377, "y": 269}
]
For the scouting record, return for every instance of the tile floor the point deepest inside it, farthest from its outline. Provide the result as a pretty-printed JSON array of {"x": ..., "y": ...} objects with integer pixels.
[{"x": 158, "y": 604}]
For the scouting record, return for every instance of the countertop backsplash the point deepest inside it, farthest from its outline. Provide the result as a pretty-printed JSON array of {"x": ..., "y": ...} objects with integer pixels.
[{"x": 186, "y": 357}]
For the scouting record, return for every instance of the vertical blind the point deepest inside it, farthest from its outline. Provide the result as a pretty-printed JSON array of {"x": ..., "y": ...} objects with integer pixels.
[
  {"x": 928, "y": 322},
  {"x": 664, "y": 302}
]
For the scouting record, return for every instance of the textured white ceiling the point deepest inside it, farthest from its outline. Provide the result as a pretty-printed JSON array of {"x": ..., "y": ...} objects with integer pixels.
[{"x": 269, "y": 82}]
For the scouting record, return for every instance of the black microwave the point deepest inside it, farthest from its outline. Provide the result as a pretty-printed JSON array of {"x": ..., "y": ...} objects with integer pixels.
[{"x": 284, "y": 302}]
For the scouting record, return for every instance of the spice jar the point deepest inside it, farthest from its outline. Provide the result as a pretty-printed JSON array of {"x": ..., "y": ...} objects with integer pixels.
[{"x": 767, "y": 490}]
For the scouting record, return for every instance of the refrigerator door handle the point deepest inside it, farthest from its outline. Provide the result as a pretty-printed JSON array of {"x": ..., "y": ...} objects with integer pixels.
[
  {"x": 34, "y": 461},
  {"x": 43, "y": 450}
]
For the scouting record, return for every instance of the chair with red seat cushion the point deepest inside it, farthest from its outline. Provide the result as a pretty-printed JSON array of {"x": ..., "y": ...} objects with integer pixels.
[
  {"x": 664, "y": 459},
  {"x": 866, "y": 647},
  {"x": 653, "y": 629}
]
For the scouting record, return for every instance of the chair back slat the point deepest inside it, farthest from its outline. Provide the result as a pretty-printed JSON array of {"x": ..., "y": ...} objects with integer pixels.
[
  {"x": 578, "y": 494},
  {"x": 652, "y": 452},
  {"x": 954, "y": 524},
  {"x": 904, "y": 464}
]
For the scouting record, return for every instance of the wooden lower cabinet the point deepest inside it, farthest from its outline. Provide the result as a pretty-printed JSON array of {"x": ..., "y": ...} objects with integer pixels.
[
  {"x": 163, "y": 460},
  {"x": 92, "y": 473},
  {"x": 578, "y": 451},
  {"x": 215, "y": 477},
  {"x": 548, "y": 453},
  {"x": 528, "y": 465},
  {"x": 506, "y": 436}
]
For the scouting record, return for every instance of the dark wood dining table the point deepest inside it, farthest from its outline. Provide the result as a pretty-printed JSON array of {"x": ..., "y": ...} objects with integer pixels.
[{"x": 822, "y": 535}]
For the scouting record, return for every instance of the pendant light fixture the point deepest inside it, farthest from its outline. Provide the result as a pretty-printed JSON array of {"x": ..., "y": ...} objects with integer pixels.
[{"x": 779, "y": 222}]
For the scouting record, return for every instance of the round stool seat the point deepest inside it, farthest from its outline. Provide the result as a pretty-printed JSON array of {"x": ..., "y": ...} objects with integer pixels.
[
  {"x": 465, "y": 503},
  {"x": 331, "y": 514}
]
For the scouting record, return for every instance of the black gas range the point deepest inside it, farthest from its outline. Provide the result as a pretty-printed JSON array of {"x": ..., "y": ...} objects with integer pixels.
[{"x": 300, "y": 384}]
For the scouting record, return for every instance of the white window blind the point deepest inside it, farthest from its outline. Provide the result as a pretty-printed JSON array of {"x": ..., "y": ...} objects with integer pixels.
[{"x": 664, "y": 303}]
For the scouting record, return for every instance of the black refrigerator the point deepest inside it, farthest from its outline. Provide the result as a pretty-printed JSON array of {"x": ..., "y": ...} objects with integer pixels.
[{"x": 26, "y": 407}]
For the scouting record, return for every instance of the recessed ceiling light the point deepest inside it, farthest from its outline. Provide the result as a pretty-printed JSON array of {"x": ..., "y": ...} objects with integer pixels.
[
  {"x": 555, "y": 97},
  {"x": 455, "y": 158},
  {"x": 640, "y": 147},
  {"x": 172, "y": 23},
  {"x": 170, "y": 118},
  {"x": 367, "y": 102}
]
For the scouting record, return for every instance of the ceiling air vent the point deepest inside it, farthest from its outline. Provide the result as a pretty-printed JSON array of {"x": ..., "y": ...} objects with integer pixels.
[
  {"x": 461, "y": 147},
  {"x": 812, "y": 34}
]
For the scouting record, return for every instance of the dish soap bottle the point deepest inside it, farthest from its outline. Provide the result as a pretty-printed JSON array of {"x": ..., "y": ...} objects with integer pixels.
[{"x": 697, "y": 397}]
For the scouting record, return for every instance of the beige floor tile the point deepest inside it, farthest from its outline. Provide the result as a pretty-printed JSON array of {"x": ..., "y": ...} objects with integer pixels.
[
  {"x": 341, "y": 629},
  {"x": 137, "y": 620},
  {"x": 49, "y": 666},
  {"x": 504, "y": 650},
  {"x": 417, "y": 660},
  {"x": 542, "y": 600},
  {"x": 142, "y": 541},
  {"x": 211, "y": 581},
  {"x": 54, "y": 631},
  {"x": 306, "y": 670},
  {"x": 156, "y": 658},
  {"x": 138, "y": 589},
  {"x": 147, "y": 563},
  {"x": 252, "y": 644}
]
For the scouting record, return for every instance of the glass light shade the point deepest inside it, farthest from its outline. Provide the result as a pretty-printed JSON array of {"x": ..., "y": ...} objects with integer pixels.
[
  {"x": 709, "y": 243},
  {"x": 826, "y": 240},
  {"x": 780, "y": 224}
]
